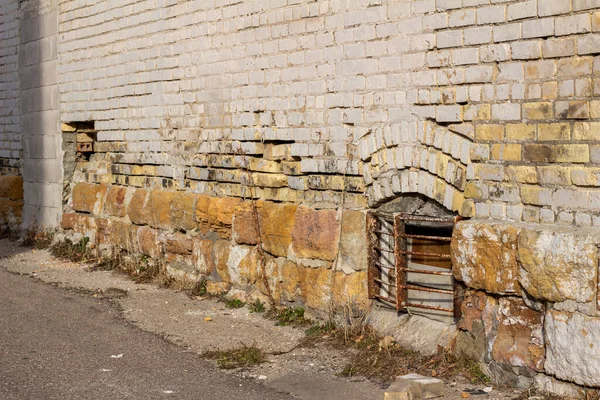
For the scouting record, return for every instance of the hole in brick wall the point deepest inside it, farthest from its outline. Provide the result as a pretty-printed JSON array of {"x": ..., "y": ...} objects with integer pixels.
[{"x": 79, "y": 142}]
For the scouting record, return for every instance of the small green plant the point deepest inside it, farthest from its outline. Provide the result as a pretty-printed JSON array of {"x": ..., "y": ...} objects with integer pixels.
[
  {"x": 472, "y": 370},
  {"x": 257, "y": 306},
  {"x": 234, "y": 303},
  {"x": 321, "y": 329},
  {"x": 290, "y": 316},
  {"x": 200, "y": 289},
  {"x": 243, "y": 357}
]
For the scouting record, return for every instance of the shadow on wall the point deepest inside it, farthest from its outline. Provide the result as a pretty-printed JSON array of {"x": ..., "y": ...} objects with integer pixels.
[{"x": 41, "y": 166}]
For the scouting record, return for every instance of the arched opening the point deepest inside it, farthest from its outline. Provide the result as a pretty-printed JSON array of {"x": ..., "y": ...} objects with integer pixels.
[{"x": 410, "y": 267}]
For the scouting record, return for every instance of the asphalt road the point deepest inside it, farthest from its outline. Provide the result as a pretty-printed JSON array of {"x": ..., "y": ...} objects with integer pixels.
[{"x": 56, "y": 344}]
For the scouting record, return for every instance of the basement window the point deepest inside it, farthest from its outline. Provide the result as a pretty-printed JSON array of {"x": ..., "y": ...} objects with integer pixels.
[{"x": 410, "y": 267}]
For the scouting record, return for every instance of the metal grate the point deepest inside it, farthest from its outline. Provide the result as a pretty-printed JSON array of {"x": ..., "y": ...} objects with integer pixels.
[{"x": 389, "y": 254}]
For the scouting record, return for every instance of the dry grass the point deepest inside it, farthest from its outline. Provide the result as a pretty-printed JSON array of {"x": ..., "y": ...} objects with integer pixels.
[
  {"x": 380, "y": 358},
  {"x": 75, "y": 252}
]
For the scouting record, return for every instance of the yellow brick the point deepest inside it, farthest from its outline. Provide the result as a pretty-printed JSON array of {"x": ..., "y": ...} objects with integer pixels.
[
  {"x": 550, "y": 90},
  {"x": 596, "y": 21},
  {"x": 536, "y": 195},
  {"x": 520, "y": 131},
  {"x": 68, "y": 127},
  {"x": 458, "y": 202},
  {"x": 595, "y": 109},
  {"x": 559, "y": 131},
  {"x": 473, "y": 191},
  {"x": 506, "y": 152},
  {"x": 586, "y": 131},
  {"x": 489, "y": 132},
  {"x": 538, "y": 111},
  {"x": 554, "y": 175},
  {"x": 468, "y": 208},
  {"x": 521, "y": 174},
  {"x": 574, "y": 153}
]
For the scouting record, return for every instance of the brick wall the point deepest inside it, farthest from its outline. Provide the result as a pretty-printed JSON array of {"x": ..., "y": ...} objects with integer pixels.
[{"x": 10, "y": 140}]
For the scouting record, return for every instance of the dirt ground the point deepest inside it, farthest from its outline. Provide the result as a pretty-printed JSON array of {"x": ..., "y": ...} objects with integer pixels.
[{"x": 306, "y": 372}]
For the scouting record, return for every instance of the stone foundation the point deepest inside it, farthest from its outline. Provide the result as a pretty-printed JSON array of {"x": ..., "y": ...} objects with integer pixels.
[
  {"x": 250, "y": 249},
  {"x": 11, "y": 202},
  {"x": 530, "y": 314}
]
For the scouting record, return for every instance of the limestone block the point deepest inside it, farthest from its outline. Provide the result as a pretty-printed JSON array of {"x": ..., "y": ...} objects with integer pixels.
[
  {"x": 221, "y": 249},
  {"x": 484, "y": 256},
  {"x": 11, "y": 187},
  {"x": 316, "y": 234},
  {"x": 353, "y": 243},
  {"x": 422, "y": 386},
  {"x": 89, "y": 197},
  {"x": 558, "y": 264},
  {"x": 217, "y": 288},
  {"x": 572, "y": 347}
]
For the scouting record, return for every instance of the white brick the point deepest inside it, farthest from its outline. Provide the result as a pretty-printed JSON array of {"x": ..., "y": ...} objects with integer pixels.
[
  {"x": 460, "y": 18},
  {"x": 449, "y": 39},
  {"x": 588, "y": 44},
  {"x": 573, "y": 24},
  {"x": 491, "y": 14},
  {"x": 553, "y": 7},
  {"x": 478, "y": 35},
  {"x": 506, "y": 112},
  {"x": 521, "y": 10},
  {"x": 527, "y": 50},
  {"x": 579, "y": 5},
  {"x": 538, "y": 28}
]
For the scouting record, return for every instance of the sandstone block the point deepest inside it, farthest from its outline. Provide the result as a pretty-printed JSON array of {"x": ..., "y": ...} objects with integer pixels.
[
  {"x": 484, "y": 256},
  {"x": 11, "y": 212},
  {"x": 519, "y": 339},
  {"x": 245, "y": 223},
  {"x": 203, "y": 257},
  {"x": 572, "y": 347},
  {"x": 136, "y": 209},
  {"x": 291, "y": 277},
  {"x": 89, "y": 197},
  {"x": 11, "y": 187},
  {"x": 217, "y": 288},
  {"x": 276, "y": 224},
  {"x": 158, "y": 208},
  {"x": 558, "y": 264},
  {"x": 148, "y": 240},
  {"x": 221, "y": 249},
  {"x": 124, "y": 236},
  {"x": 316, "y": 234},
  {"x": 69, "y": 221},
  {"x": 315, "y": 288},
  {"x": 183, "y": 211},
  {"x": 216, "y": 214},
  {"x": 350, "y": 289},
  {"x": 178, "y": 243},
  {"x": 353, "y": 243},
  {"x": 115, "y": 201}
]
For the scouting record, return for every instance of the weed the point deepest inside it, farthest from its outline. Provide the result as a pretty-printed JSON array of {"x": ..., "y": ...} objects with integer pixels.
[
  {"x": 290, "y": 316},
  {"x": 37, "y": 239},
  {"x": 472, "y": 370},
  {"x": 319, "y": 329},
  {"x": 242, "y": 357},
  {"x": 75, "y": 252},
  {"x": 257, "y": 306},
  {"x": 234, "y": 303},
  {"x": 6, "y": 232}
]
